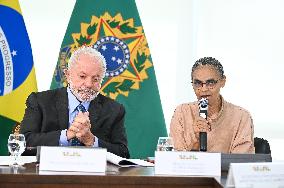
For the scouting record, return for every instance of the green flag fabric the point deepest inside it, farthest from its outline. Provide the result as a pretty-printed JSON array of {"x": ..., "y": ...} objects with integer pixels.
[
  {"x": 114, "y": 29},
  {"x": 17, "y": 74}
]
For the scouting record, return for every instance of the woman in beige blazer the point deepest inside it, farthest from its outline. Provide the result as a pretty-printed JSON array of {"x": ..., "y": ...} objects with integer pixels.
[{"x": 229, "y": 127}]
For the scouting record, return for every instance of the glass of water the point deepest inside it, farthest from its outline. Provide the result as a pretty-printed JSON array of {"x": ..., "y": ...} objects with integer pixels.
[
  {"x": 16, "y": 146},
  {"x": 165, "y": 144}
]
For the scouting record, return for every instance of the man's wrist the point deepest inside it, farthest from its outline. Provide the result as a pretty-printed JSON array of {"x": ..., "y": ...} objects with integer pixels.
[
  {"x": 70, "y": 134},
  {"x": 91, "y": 140}
]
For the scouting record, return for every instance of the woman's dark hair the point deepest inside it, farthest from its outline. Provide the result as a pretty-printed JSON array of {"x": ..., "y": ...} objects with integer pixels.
[{"x": 211, "y": 62}]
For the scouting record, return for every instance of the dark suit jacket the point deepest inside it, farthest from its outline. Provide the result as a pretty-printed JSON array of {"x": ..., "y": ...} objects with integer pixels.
[{"x": 47, "y": 114}]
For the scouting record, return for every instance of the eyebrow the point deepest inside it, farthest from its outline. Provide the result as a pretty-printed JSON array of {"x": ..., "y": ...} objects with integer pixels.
[
  {"x": 205, "y": 80},
  {"x": 84, "y": 73}
]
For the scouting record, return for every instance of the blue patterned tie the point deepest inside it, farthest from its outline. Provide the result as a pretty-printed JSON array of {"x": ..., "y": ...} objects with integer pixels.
[
  {"x": 75, "y": 141},
  {"x": 81, "y": 108}
]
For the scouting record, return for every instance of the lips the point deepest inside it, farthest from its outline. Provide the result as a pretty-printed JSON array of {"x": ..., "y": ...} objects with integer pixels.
[{"x": 205, "y": 96}]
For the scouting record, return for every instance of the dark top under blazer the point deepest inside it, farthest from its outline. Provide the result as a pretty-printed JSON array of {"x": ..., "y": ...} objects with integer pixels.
[{"x": 47, "y": 114}]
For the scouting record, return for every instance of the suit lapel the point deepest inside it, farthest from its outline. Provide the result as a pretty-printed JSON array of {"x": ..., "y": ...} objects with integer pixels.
[
  {"x": 95, "y": 110},
  {"x": 62, "y": 108}
]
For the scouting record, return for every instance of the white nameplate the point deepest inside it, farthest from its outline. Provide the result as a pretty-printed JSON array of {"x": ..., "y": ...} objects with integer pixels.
[
  {"x": 261, "y": 175},
  {"x": 81, "y": 159},
  {"x": 188, "y": 163}
]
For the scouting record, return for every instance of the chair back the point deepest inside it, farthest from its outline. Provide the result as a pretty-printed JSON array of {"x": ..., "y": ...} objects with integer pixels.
[{"x": 261, "y": 146}]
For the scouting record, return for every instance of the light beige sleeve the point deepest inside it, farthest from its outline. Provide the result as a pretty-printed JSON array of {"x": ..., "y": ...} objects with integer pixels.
[
  {"x": 243, "y": 141},
  {"x": 177, "y": 130}
]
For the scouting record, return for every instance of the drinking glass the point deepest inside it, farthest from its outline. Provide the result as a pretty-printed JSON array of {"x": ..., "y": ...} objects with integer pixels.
[
  {"x": 16, "y": 146},
  {"x": 165, "y": 144}
]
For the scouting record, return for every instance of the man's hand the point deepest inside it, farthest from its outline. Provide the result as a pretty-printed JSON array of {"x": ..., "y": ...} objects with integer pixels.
[
  {"x": 70, "y": 133},
  {"x": 88, "y": 138},
  {"x": 80, "y": 128}
]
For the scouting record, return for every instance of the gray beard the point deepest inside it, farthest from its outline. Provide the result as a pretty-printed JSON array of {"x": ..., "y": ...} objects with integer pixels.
[{"x": 84, "y": 96}]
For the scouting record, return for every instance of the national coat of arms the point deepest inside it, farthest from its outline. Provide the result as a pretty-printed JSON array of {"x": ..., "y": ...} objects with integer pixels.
[{"x": 124, "y": 47}]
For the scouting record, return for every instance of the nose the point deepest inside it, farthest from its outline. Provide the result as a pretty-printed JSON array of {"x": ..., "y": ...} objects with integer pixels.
[
  {"x": 204, "y": 87},
  {"x": 89, "y": 83}
]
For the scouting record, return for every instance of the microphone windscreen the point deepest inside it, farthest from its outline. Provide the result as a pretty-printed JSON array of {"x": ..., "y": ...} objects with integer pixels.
[{"x": 203, "y": 107}]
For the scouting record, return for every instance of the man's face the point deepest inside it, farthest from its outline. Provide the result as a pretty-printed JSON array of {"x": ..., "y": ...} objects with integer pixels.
[{"x": 84, "y": 77}]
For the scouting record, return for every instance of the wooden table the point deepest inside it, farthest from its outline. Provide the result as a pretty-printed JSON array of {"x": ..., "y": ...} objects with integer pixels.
[{"x": 30, "y": 177}]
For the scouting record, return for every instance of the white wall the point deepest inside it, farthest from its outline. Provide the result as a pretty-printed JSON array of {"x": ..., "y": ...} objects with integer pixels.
[{"x": 246, "y": 36}]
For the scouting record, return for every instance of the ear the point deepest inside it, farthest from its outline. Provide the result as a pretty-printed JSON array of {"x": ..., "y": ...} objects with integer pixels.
[
  {"x": 66, "y": 73},
  {"x": 223, "y": 81}
]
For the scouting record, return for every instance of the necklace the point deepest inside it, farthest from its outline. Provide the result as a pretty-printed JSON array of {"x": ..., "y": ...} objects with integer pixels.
[{"x": 216, "y": 112}]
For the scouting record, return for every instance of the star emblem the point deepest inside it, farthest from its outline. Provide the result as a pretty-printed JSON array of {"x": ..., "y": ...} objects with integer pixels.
[
  {"x": 116, "y": 48},
  {"x": 14, "y": 53},
  {"x": 104, "y": 47}
]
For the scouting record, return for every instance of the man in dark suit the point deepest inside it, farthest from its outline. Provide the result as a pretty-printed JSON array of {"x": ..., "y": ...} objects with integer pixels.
[{"x": 78, "y": 114}]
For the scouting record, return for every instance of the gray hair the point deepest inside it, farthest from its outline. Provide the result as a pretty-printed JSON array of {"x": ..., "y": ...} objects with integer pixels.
[
  {"x": 209, "y": 61},
  {"x": 91, "y": 52}
]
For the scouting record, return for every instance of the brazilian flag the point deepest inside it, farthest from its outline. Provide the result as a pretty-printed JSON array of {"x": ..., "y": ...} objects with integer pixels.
[
  {"x": 17, "y": 74},
  {"x": 115, "y": 29}
]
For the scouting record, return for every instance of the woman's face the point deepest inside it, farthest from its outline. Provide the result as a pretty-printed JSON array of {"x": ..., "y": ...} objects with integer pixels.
[{"x": 207, "y": 82}]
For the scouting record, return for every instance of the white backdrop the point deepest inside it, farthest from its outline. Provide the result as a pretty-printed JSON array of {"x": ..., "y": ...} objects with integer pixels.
[{"x": 247, "y": 37}]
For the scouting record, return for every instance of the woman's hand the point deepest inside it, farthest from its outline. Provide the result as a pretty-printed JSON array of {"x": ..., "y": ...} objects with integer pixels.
[{"x": 201, "y": 125}]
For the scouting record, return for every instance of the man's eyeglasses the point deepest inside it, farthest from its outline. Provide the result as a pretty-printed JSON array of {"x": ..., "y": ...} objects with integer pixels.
[{"x": 211, "y": 83}]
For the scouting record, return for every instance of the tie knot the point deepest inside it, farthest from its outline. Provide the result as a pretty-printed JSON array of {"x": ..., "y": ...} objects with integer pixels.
[{"x": 81, "y": 108}]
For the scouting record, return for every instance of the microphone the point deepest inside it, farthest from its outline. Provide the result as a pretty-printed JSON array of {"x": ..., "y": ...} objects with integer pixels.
[{"x": 203, "y": 112}]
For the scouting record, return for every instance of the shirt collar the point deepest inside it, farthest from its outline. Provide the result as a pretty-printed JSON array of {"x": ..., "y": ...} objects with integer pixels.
[{"x": 74, "y": 102}]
